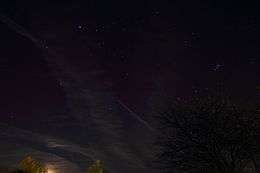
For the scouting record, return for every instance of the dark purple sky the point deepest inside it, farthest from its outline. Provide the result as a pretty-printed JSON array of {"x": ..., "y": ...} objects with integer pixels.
[
  {"x": 95, "y": 72},
  {"x": 138, "y": 50}
]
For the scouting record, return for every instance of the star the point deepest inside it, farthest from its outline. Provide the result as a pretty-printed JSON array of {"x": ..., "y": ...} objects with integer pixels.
[
  {"x": 217, "y": 67},
  {"x": 125, "y": 75}
]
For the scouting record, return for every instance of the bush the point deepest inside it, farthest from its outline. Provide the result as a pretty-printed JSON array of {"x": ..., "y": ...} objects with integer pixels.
[
  {"x": 29, "y": 165},
  {"x": 97, "y": 167}
]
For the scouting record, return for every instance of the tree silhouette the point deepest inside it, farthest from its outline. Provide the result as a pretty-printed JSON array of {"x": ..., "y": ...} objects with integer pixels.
[{"x": 209, "y": 135}]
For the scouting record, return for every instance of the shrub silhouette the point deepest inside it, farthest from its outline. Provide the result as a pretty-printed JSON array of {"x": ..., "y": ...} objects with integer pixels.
[
  {"x": 29, "y": 165},
  {"x": 97, "y": 167}
]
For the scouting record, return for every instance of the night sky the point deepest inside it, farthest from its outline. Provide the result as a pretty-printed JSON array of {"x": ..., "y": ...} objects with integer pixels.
[{"x": 139, "y": 53}]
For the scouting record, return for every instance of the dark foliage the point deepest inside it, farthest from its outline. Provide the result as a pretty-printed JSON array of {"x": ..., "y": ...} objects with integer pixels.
[
  {"x": 209, "y": 135},
  {"x": 4, "y": 170}
]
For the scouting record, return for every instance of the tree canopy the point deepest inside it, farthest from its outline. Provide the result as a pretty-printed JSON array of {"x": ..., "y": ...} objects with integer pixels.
[{"x": 210, "y": 134}]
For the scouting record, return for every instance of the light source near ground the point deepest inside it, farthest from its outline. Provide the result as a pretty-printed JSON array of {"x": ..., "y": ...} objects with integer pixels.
[{"x": 51, "y": 168}]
